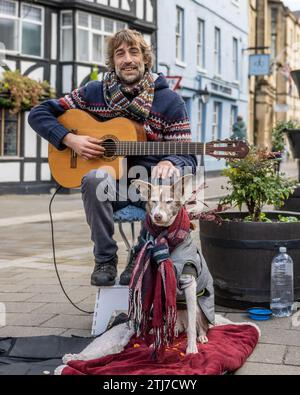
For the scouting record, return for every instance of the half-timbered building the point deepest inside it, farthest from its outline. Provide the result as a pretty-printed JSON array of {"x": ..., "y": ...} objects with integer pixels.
[{"x": 61, "y": 42}]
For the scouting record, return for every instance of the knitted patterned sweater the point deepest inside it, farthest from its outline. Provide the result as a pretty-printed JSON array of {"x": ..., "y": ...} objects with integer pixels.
[{"x": 168, "y": 120}]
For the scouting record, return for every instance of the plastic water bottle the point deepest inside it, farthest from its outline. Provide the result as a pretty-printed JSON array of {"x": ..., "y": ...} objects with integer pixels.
[{"x": 282, "y": 284}]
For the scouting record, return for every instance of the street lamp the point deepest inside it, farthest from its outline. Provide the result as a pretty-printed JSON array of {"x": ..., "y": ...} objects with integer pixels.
[{"x": 204, "y": 94}]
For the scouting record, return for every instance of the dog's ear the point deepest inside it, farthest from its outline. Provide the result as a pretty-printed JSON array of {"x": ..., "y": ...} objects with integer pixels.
[
  {"x": 183, "y": 188},
  {"x": 144, "y": 188}
]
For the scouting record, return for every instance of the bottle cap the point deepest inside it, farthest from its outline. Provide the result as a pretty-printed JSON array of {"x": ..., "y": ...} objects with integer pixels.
[{"x": 282, "y": 250}]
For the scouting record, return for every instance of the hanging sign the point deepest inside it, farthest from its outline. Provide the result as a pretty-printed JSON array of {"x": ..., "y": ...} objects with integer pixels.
[{"x": 259, "y": 64}]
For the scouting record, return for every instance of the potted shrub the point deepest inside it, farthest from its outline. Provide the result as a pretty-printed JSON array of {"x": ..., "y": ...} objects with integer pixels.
[
  {"x": 21, "y": 93},
  {"x": 240, "y": 247}
]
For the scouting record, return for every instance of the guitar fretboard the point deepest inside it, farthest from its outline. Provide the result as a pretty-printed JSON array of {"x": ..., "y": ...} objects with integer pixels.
[{"x": 137, "y": 148}]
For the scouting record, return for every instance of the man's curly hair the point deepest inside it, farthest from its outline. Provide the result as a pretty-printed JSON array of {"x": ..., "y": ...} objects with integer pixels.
[{"x": 131, "y": 37}]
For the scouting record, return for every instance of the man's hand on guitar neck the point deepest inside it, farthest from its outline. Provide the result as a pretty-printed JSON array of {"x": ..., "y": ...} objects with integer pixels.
[
  {"x": 165, "y": 169},
  {"x": 87, "y": 147}
]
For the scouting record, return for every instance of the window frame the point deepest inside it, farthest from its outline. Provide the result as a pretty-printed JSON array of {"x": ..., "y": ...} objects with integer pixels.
[
  {"x": 67, "y": 27},
  {"x": 201, "y": 61},
  {"x": 179, "y": 35},
  {"x": 14, "y": 18},
  {"x": 18, "y": 137},
  {"x": 91, "y": 32},
  {"x": 217, "y": 120},
  {"x": 19, "y": 19},
  {"x": 42, "y": 24},
  {"x": 235, "y": 59},
  {"x": 217, "y": 51}
]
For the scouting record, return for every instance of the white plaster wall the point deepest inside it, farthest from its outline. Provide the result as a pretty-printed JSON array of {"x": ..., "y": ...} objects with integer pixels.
[{"x": 9, "y": 172}]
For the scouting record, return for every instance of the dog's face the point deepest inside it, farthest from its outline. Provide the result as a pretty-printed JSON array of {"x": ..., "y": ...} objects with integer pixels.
[{"x": 163, "y": 201}]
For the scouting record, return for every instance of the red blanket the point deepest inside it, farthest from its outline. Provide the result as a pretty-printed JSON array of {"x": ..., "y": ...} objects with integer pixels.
[{"x": 227, "y": 350}]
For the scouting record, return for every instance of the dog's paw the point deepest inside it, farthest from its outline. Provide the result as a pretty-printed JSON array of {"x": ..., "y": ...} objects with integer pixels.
[
  {"x": 192, "y": 349},
  {"x": 70, "y": 357},
  {"x": 202, "y": 339}
]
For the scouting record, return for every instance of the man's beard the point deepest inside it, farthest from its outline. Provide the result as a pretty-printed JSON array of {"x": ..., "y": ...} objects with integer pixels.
[{"x": 131, "y": 80}]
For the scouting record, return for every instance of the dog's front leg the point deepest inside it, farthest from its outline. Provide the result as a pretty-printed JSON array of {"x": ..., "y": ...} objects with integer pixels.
[{"x": 188, "y": 283}]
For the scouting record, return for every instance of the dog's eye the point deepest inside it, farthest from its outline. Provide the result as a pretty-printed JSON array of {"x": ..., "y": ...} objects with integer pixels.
[
  {"x": 169, "y": 201},
  {"x": 154, "y": 201}
]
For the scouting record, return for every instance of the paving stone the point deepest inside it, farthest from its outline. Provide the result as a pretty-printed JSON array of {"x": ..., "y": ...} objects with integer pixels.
[
  {"x": 42, "y": 281},
  {"x": 19, "y": 277},
  {"x": 292, "y": 356},
  {"x": 85, "y": 281},
  {"x": 49, "y": 288},
  {"x": 24, "y": 307},
  {"x": 280, "y": 323},
  {"x": 77, "y": 332},
  {"x": 261, "y": 369},
  {"x": 89, "y": 300},
  {"x": 14, "y": 288},
  {"x": 76, "y": 297},
  {"x": 16, "y": 296},
  {"x": 27, "y": 319},
  {"x": 281, "y": 336},
  {"x": 268, "y": 353},
  {"x": 63, "y": 308},
  {"x": 24, "y": 331},
  {"x": 70, "y": 322}
]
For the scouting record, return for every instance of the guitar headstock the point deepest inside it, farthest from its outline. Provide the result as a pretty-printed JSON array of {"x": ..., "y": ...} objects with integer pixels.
[{"x": 227, "y": 149}]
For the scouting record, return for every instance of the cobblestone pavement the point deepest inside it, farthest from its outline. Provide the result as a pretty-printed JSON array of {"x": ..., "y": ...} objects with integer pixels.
[{"x": 35, "y": 304}]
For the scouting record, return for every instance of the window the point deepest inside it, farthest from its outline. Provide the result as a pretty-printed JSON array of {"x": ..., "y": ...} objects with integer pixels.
[
  {"x": 180, "y": 34},
  {"x": 9, "y": 24},
  {"x": 200, "y": 121},
  {"x": 200, "y": 44},
  {"x": 273, "y": 32},
  {"x": 92, "y": 32},
  {"x": 9, "y": 133},
  {"x": 217, "y": 121},
  {"x": 31, "y": 21},
  {"x": 66, "y": 26},
  {"x": 21, "y": 33},
  {"x": 217, "y": 51},
  {"x": 235, "y": 59}
]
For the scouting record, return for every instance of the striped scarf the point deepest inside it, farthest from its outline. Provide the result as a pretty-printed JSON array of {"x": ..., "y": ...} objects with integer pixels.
[
  {"x": 152, "y": 289},
  {"x": 115, "y": 96}
]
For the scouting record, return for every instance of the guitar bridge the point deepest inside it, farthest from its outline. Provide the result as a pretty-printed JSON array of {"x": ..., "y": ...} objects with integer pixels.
[
  {"x": 74, "y": 156},
  {"x": 73, "y": 160}
]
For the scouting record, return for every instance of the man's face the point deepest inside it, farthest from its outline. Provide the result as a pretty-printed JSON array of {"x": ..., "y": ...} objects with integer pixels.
[{"x": 129, "y": 64}]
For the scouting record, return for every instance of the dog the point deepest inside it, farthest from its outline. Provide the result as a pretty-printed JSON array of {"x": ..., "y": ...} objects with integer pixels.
[{"x": 163, "y": 204}]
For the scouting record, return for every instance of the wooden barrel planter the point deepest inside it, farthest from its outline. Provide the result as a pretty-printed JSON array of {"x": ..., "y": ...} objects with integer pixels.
[{"x": 239, "y": 257}]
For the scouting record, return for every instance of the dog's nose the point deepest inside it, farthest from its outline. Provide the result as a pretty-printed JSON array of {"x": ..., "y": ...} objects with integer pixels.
[{"x": 158, "y": 217}]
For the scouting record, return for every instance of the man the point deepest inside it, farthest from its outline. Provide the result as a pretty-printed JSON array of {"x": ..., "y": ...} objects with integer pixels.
[
  {"x": 239, "y": 129},
  {"x": 129, "y": 90}
]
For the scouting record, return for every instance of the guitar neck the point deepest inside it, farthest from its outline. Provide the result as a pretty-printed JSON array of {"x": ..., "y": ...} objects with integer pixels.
[{"x": 136, "y": 148}]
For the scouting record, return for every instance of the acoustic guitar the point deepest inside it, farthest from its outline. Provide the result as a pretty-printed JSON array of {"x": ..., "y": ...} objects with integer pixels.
[{"x": 122, "y": 138}]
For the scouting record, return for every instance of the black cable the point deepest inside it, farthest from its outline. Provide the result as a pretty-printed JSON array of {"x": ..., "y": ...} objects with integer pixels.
[{"x": 54, "y": 256}]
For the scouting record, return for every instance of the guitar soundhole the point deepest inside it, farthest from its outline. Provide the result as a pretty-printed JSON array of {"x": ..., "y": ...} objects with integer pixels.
[{"x": 110, "y": 148}]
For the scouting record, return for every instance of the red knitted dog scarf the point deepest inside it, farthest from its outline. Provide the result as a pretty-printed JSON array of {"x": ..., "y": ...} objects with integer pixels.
[{"x": 152, "y": 289}]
